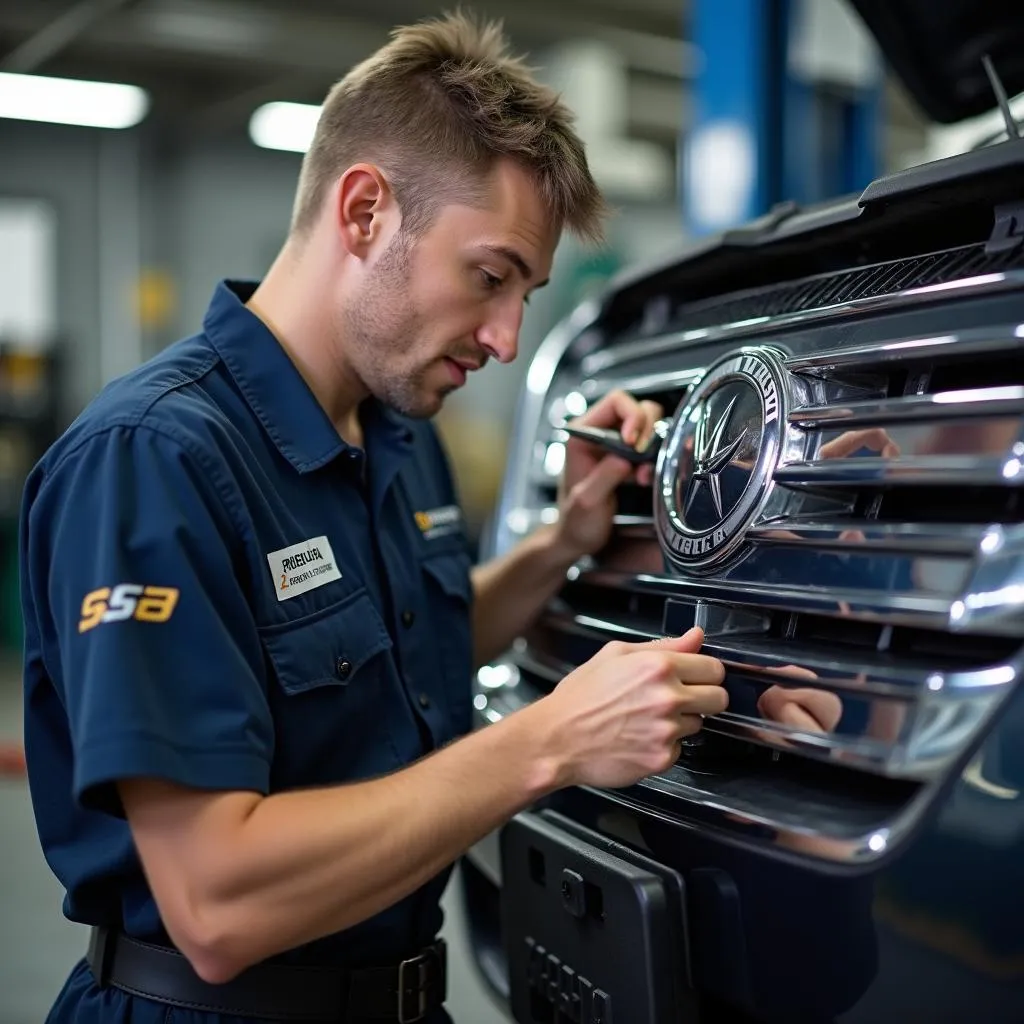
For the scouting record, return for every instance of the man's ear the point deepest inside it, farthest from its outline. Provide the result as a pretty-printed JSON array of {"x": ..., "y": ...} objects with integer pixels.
[{"x": 364, "y": 207}]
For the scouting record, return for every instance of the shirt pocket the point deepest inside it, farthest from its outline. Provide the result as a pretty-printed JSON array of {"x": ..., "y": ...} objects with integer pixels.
[
  {"x": 330, "y": 690},
  {"x": 449, "y": 593},
  {"x": 327, "y": 648}
]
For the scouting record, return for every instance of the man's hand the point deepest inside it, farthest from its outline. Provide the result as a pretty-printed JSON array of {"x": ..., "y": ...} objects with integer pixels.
[
  {"x": 586, "y": 493},
  {"x": 622, "y": 715}
]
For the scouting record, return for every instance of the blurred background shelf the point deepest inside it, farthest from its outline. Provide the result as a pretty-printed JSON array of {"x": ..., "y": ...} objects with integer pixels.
[{"x": 29, "y": 422}]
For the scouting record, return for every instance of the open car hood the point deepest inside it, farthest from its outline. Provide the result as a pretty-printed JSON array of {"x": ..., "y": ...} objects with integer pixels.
[{"x": 936, "y": 46}]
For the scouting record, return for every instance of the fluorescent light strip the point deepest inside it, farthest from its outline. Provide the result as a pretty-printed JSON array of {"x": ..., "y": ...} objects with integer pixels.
[
  {"x": 71, "y": 101},
  {"x": 287, "y": 126}
]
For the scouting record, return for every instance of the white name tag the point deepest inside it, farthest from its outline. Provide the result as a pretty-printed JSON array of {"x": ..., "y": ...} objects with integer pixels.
[{"x": 303, "y": 567}]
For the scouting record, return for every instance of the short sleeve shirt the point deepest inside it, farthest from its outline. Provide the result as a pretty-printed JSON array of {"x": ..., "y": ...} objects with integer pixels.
[{"x": 220, "y": 592}]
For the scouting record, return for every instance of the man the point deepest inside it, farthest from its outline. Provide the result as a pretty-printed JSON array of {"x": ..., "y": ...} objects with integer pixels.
[{"x": 251, "y": 622}]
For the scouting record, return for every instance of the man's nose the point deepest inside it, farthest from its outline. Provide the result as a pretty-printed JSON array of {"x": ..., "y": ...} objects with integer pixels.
[{"x": 500, "y": 335}]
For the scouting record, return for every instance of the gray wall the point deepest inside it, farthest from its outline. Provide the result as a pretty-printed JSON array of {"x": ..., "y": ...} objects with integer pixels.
[
  {"x": 126, "y": 201},
  {"x": 233, "y": 205},
  {"x": 62, "y": 167}
]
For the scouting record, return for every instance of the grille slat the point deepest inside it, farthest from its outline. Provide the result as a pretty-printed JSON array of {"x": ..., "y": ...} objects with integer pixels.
[
  {"x": 865, "y": 536},
  {"x": 678, "y": 382},
  {"x": 906, "y": 608},
  {"x": 924, "y": 471},
  {"x": 950, "y": 405},
  {"x": 864, "y": 674},
  {"x": 960, "y": 347},
  {"x": 864, "y": 751}
]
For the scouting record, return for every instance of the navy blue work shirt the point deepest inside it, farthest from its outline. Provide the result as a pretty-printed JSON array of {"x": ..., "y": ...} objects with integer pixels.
[{"x": 220, "y": 592}]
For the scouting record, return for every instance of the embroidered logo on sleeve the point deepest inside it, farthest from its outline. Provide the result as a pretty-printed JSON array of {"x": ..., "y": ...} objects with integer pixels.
[
  {"x": 127, "y": 601},
  {"x": 438, "y": 522},
  {"x": 303, "y": 567}
]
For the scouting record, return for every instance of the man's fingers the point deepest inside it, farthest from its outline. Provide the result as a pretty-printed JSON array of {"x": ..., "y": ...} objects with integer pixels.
[
  {"x": 688, "y": 725},
  {"x": 615, "y": 408},
  {"x": 689, "y": 643},
  {"x": 650, "y": 413},
  {"x": 689, "y": 667},
  {"x": 634, "y": 420},
  {"x": 696, "y": 669},
  {"x": 703, "y": 700},
  {"x": 601, "y": 482},
  {"x": 645, "y": 475}
]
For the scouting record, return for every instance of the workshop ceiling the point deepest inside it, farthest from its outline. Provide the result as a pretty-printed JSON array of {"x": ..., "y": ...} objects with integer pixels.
[{"x": 214, "y": 61}]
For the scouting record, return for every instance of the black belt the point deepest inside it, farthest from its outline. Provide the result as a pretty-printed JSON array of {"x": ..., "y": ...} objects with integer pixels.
[{"x": 403, "y": 993}]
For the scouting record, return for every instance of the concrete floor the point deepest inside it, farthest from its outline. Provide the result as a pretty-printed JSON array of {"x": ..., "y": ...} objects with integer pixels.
[{"x": 38, "y": 946}]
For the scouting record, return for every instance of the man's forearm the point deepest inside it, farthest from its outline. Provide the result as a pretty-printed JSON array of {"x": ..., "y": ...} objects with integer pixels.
[
  {"x": 510, "y": 591},
  {"x": 284, "y": 870}
]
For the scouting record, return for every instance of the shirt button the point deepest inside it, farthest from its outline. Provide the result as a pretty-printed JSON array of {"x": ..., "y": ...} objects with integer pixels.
[
  {"x": 424, "y": 701},
  {"x": 408, "y": 618},
  {"x": 343, "y": 668}
]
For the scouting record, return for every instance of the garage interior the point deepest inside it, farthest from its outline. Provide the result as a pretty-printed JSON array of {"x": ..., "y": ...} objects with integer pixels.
[{"x": 127, "y": 231}]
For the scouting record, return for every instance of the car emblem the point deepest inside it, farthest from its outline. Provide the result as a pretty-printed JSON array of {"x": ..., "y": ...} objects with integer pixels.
[
  {"x": 715, "y": 469},
  {"x": 712, "y": 454}
]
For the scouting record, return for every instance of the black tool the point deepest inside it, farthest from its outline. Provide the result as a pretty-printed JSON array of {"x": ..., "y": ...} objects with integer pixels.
[{"x": 611, "y": 441}]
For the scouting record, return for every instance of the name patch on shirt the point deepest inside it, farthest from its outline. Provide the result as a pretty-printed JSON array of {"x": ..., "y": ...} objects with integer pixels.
[
  {"x": 437, "y": 522},
  {"x": 303, "y": 567}
]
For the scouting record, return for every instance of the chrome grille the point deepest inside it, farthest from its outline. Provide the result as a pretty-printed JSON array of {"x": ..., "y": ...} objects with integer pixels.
[
  {"x": 886, "y": 580},
  {"x": 849, "y": 285}
]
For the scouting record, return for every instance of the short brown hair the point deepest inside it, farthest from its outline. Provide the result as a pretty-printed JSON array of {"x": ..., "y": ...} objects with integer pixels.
[{"x": 436, "y": 107}]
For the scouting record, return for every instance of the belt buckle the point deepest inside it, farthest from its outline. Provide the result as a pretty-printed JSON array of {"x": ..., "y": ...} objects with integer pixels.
[
  {"x": 412, "y": 997},
  {"x": 407, "y": 994}
]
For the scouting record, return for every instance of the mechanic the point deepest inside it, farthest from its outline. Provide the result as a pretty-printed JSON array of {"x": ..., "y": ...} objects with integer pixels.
[{"x": 251, "y": 619}]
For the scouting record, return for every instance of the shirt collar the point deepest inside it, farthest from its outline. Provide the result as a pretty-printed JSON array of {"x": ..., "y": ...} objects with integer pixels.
[{"x": 275, "y": 390}]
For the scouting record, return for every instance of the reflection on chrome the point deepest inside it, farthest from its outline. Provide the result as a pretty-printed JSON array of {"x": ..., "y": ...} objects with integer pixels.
[
  {"x": 988, "y": 402},
  {"x": 993, "y": 597},
  {"x": 491, "y": 677},
  {"x": 974, "y": 776}
]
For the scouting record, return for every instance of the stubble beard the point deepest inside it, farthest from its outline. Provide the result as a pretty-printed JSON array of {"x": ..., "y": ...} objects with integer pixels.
[{"x": 381, "y": 331}]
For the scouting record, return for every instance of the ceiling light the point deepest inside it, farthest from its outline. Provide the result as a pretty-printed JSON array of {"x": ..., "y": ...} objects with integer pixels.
[
  {"x": 287, "y": 126},
  {"x": 71, "y": 101}
]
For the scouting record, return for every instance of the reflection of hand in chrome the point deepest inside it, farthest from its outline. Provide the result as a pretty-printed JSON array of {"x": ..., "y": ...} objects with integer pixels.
[
  {"x": 803, "y": 708},
  {"x": 841, "y": 447},
  {"x": 874, "y": 438}
]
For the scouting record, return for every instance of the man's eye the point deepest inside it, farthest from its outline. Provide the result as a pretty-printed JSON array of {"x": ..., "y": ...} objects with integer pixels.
[{"x": 491, "y": 283}]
